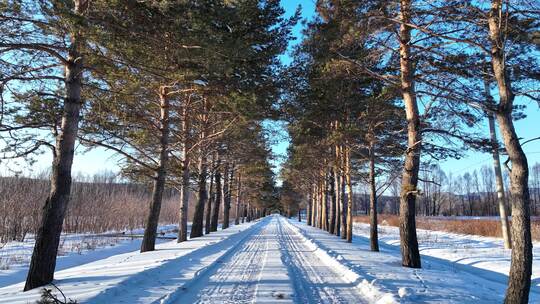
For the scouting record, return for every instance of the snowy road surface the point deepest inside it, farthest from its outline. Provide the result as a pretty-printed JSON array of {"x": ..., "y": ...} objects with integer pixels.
[
  {"x": 272, "y": 265},
  {"x": 273, "y": 260}
]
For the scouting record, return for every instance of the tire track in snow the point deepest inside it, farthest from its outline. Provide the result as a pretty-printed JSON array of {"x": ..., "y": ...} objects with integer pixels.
[
  {"x": 314, "y": 280},
  {"x": 273, "y": 264},
  {"x": 235, "y": 280},
  {"x": 239, "y": 274}
]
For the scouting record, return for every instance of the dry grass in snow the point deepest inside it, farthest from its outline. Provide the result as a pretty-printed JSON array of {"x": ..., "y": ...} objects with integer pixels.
[{"x": 474, "y": 226}]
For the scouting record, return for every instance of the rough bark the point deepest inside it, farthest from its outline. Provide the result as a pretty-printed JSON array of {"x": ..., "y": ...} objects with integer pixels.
[
  {"x": 209, "y": 203},
  {"x": 229, "y": 177},
  {"x": 337, "y": 194},
  {"x": 320, "y": 210},
  {"x": 336, "y": 187},
  {"x": 348, "y": 182},
  {"x": 501, "y": 199},
  {"x": 184, "y": 190},
  {"x": 43, "y": 261},
  {"x": 248, "y": 213},
  {"x": 308, "y": 210},
  {"x": 344, "y": 207},
  {"x": 219, "y": 195},
  {"x": 324, "y": 202},
  {"x": 410, "y": 255},
  {"x": 519, "y": 281},
  {"x": 332, "y": 190},
  {"x": 198, "y": 215},
  {"x": 373, "y": 231},
  {"x": 314, "y": 205},
  {"x": 150, "y": 232},
  {"x": 238, "y": 199}
]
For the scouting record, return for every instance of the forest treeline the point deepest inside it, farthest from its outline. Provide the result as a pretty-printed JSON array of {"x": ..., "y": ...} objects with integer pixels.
[
  {"x": 99, "y": 203},
  {"x": 178, "y": 90},
  {"x": 103, "y": 203},
  {"x": 472, "y": 193},
  {"x": 380, "y": 92}
]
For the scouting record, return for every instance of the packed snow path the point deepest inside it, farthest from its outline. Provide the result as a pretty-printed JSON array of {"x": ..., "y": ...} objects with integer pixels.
[
  {"x": 315, "y": 277},
  {"x": 264, "y": 266}
]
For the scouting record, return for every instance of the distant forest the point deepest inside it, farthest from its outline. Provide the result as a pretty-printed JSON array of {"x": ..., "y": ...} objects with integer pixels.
[
  {"x": 472, "y": 193},
  {"x": 103, "y": 203}
]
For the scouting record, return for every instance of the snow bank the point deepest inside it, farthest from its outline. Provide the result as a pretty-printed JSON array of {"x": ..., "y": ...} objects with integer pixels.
[
  {"x": 368, "y": 289},
  {"x": 482, "y": 256},
  {"x": 459, "y": 279}
]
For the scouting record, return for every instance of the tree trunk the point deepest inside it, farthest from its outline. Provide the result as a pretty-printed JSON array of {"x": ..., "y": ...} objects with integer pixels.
[
  {"x": 333, "y": 208},
  {"x": 320, "y": 210},
  {"x": 519, "y": 281},
  {"x": 227, "y": 196},
  {"x": 324, "y": 194},
  {"x": 184, "y": 191},
  {"x": 316, "y": 221},
  {"x": 344, "y": 207},
  {"x": 150, "y": 233},
  {"x": 349, "y": 194},
  {"x": 209, "y": 203},
  {"x": 308, "y": 210},
  {"x": 43, "y": 262},
  {"x": 499, "y": 183},
  {"x": 238, "y": 199},
  {"x": 337, "y": 191},
  {"x": 314, "y": 206},
  {"x": 373, "y": 235},
  {"x": 218, "y": 198},
  {"x": 248, "y": 217},
  {"x": 501, "y": 199},
  {"x": 521, "y": 263},
  {"x": 410, "y": 255},
  {"x": 337, "y": 173},
  {"x": 198, "y": 215}
]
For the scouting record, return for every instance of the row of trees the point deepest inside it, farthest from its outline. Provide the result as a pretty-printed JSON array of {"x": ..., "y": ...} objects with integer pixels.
[
  {"x": 178, "y": 89},
  {"x": 380, "y": 86}
]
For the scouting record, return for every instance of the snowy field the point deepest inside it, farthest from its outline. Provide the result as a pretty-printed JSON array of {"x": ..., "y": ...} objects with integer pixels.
[
  {"x": 481, "y": 256},
  {"x": 74, "y": 250},
  {"x": 276, "y": 260}
]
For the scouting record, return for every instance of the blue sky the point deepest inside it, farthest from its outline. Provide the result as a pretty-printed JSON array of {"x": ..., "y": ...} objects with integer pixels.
[{"x": 99, "y": 160}]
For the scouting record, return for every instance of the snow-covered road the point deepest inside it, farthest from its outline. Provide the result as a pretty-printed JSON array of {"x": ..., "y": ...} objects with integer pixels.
[
  {"x": 272, "y": 265},
  {"x": 315, "y": 277}
]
